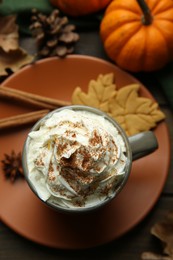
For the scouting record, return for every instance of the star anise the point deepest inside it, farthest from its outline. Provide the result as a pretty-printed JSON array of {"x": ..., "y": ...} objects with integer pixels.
[{"x": 12, "y": 165}]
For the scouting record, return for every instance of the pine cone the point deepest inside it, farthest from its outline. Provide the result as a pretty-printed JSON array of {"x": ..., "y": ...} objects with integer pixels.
[{"x": 54, "y": 35}]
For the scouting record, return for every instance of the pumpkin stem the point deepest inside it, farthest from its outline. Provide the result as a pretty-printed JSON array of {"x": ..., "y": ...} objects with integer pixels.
[{"x": 147, "y": 17}]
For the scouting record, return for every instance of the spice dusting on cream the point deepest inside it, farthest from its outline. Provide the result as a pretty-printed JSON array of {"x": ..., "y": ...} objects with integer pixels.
[{"x": 76, "y": 159}]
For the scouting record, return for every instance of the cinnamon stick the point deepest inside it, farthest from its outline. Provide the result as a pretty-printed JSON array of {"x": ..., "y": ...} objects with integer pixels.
[
  {"x": 46, "y": 100},
  {"x": 5, "y": 93},
  {"x": 18, "y": 120}
]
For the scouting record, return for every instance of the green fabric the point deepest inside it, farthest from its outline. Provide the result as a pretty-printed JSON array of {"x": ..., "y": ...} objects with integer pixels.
[
  {"x": 22, "y": 6},
  {"x": 23, "y": 10}
]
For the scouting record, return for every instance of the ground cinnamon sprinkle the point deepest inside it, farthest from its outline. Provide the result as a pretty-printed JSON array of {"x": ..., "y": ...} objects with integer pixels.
[
  {"x": 51, "y": 174},
  {"x": 96, "y": 139}
]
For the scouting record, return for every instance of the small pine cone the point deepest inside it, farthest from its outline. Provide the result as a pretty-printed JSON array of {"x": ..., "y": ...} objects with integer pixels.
[{"x": 54, "y": 35}]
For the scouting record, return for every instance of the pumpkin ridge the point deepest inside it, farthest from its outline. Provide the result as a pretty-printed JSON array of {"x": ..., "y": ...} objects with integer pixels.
[
  {"x": 130, "y": 35},
  {"x": 133, "y": 33},
  {"x": 163, "y": 19},
  {"x": 126, "y": 10},
  {"x": 122, "y": 9},
  {"x": 142, "y": 53},
  {"x": 161, "y": 32},
  {"x": 158, "y": 11},
  {"x": 113, "y": 26},
  {"x": 118, "y": 5},
  {"x": 148, "y": 47},
  {"x": 164, "y": 10},
  {"x": 153, "y": 7},
  {"x": 165, "y": 15},
  {"x": 124, "y": 23}
]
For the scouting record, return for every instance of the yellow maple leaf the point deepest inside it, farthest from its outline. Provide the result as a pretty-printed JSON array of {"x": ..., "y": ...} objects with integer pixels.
[
  {"x": 134, "y": 113},
  {"x": 100, "y": 92}
]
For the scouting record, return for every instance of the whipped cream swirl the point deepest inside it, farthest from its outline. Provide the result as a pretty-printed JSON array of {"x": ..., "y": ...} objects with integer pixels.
[{"x": 76, "y": 159}]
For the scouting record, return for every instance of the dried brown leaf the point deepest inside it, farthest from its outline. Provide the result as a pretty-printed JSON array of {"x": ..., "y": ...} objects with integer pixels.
[
  {"x": 13, "y": 60},
  {"x": 8, "y": 33},
  {"x": 153, "y": 256},
  {"x": 163, "y": 230},
  {"x": 11, "y": 55}
]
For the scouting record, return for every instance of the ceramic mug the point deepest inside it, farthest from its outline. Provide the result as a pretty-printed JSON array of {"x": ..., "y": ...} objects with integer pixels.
[{"x": 137, "y": 146}]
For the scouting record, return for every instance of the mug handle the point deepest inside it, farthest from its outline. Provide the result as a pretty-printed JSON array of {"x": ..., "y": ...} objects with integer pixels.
[{"x": 142, "y": 144}]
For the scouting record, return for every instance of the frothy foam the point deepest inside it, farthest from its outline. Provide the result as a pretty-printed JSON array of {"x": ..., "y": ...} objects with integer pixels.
[{"x": 76, "y": 159}]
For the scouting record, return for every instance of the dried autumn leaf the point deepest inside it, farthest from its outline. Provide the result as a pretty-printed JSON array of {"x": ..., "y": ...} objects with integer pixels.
[
  {"x": 14, "y": 60},
  {"x": 8, "y": 33},
  {"x": 100, "y": 92},
  {"x": 134, "y": 113},
  {"x": 11, "y": 55},
  {"x": 153, "y": 256},
  {"x": 164, "y": 231}
]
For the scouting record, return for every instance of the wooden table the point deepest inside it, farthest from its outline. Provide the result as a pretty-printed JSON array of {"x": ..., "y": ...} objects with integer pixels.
[{"x": 136, "y": 241}]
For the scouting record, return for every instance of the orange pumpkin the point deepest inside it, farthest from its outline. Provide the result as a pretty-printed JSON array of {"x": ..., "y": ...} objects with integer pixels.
[
  {"x": 138, "y": 34},
  {"x": 80, "y": 7}
]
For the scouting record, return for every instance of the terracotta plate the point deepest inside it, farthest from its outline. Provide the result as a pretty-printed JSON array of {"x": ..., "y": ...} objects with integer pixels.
[{"x": 27, "y": 215}]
